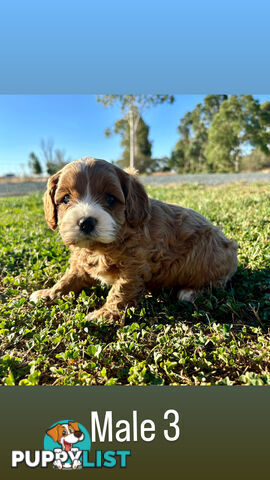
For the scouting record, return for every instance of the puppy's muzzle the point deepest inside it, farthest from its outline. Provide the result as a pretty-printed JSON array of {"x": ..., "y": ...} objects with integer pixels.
[{"x": 87, "y": 225}]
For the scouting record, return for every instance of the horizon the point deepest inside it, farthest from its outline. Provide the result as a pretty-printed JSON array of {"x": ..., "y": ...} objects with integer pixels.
[{"x": 77, "y": 123}]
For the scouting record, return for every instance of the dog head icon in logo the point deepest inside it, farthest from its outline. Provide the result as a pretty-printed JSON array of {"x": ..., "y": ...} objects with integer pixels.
[
  {"x": 66, "y": 434},
  {"x": 67, "y": 439}
]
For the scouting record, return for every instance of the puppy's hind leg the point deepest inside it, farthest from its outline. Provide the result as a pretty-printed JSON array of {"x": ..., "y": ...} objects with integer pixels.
[{"x": 187, "y": 295}]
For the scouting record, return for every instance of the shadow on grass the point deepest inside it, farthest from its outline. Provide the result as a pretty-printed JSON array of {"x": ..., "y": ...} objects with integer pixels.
[{"x": 244, "y": 301}]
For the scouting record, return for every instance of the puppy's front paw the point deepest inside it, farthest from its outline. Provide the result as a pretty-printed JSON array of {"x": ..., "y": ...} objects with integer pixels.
[
  {"x": 76, "y": 464},
  {"x": 103, "y": 313},
  {"x": 45, "y": 294}
]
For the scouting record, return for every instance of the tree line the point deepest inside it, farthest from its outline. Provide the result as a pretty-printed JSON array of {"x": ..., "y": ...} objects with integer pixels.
[{"x": 224, "y": 133}]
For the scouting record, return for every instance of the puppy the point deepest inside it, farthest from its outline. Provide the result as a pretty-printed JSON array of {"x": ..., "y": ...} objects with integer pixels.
[
  {"x": 66, "y": 434},
  {"x": 120, "y": 236}
]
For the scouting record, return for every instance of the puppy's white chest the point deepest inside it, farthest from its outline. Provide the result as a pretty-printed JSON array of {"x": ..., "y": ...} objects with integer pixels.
[{"x": 101, "y": 268}]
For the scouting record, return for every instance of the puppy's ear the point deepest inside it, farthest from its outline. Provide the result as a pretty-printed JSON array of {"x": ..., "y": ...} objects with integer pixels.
[
  {"x": 54, "y": 432},
  {"x": 137, "y": 202},
  {"x": 74, "y": 425},
  {"x": 49, "y": 203}
]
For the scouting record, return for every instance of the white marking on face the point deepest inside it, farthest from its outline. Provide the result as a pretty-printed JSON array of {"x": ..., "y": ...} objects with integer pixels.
[
  {"x": 70, "y": 437},
  {"x": 103, "y": 232}
]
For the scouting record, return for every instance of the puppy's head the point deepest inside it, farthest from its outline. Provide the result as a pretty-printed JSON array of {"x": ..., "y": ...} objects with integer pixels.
[
  {"x": 66, "y": 434},
  {"x": 92, "y": 200}
]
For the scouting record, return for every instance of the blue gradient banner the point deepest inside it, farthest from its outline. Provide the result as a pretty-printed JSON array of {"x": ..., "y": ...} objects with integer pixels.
[{"x": 136, "y": 47}]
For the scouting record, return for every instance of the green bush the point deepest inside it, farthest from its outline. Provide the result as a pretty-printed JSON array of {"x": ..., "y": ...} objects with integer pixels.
[{"x": 255, "y": 161}]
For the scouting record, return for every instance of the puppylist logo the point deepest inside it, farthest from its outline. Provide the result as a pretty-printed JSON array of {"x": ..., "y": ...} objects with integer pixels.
[
  {"x": 67, "y": 440},
  {"x": 67, "y": 443},
  {"x": 67, "y": 446}
]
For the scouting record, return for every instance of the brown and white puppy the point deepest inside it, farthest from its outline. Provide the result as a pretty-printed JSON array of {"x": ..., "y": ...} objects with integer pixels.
[
  {"x": 66, "y": 434},
  {"x": 120, "y": 236}
]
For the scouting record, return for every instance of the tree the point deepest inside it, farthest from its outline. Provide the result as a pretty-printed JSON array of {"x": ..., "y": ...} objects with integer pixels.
[
  {"x": 189, "y": 152},
  {"x": 265, "y": 114},
  {"x": 34, "y": 164},
  {"x": 160, "y": 164},
  {"x": 240, "y": 122},
  {"x": 132, "y": 107},
  {"x": 142, "y": 145},
  {"x": 54, "y": 159}
]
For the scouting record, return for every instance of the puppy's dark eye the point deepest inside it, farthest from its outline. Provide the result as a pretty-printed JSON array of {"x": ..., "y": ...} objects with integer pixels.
[
  {"x": 110, "y": 199},
  {"x": 65, "y": 199}
]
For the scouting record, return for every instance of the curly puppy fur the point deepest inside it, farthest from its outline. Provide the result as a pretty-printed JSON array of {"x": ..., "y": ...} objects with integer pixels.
[{"x": 120, "y": 236}]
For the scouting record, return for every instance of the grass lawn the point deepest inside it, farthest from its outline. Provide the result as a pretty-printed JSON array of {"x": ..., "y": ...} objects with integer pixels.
[{"x": 222, "y": 339}]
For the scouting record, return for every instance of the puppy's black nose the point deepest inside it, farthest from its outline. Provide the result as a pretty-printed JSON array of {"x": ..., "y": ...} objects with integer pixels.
[
  {"x": 77, "y": 433},
  {"x": 87, "y": 225}
]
